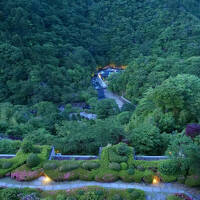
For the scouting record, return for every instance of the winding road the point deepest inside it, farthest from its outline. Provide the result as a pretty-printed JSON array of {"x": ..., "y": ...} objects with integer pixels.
[{"x": 153, "y": 192}]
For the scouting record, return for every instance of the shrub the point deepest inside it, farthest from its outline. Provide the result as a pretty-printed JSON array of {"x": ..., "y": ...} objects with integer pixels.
[
  {"x": 89, "y": 196},
  {"x": 8, "y": 194},
  {"x": 169, "y": 167},
  {"x": 61, "y": 197},
  {"x": 70, "y": 176},
  {"x": 138, "y": 175},
  {"x": 181, "y": 179},
  {"x": 86, "y": 175},
  {"x": 117, "y": 197},
  {"x": 115, "y": 166},
  {"x": 122, "y": 149},
  {"x": 193, "y": 181},
  {"x": 106, "y": 176},
  {"x": 168, "y": 178},
  {"x": 124, "y": 166},
  {"x": 33, "y": 160},
  {"x": 50, "y": 166},
  {"x": 69, "y": 166},
  {"x": 140, "y": 168},
  {"x": 7, "y": 165},
  {"x": 99, "y": 192},
  {"x": 136, "y": 194},
  {"x": 124, "y": 176},
  {"x": 148, "y": 176},
  {"x": 89, "y": 165},
  {"x": 114, "y": 157},
  {"x": 27, "y": 146},
  {"x": 130, "y": 171}
]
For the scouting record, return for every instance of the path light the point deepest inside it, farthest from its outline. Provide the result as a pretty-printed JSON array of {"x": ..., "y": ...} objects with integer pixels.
[
  {"x": 46, "y": 180},
  {"x": 156, "y": 180}
]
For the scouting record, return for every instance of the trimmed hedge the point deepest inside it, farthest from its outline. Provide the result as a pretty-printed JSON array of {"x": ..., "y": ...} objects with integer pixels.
[
  {"x": 20, "y": 159},
  {"x": 50, "y": 165},
  {"x": 33, "y": 160},
  {"x": 114, "y": 157},
  {"x": 86, "y": 175},
  {"x": 169, "y": 167},
  {"x": 168, "y": 178},
  {"x": 124, "y": 176},
  {"x": 89, "y": 165},
  {"x": 123, "y": 165},
  {"x": 115, "y": 166},
  {"x": 107, "y": 176},
  {"x": 138, "y": 175},
  {"x": 7, "y": 165},
  {"x": 148, "y": 176},
  {"x": 69, "y": 166}
]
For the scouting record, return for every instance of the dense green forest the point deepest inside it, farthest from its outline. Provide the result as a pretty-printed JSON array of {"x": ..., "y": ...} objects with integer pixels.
[{"x": 50, "y": 49}]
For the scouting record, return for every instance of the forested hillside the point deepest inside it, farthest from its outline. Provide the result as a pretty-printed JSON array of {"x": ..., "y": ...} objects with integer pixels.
[{"x": 50, "y": 49}]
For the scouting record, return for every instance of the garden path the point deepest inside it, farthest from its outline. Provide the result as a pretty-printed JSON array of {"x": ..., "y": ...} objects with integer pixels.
[{"x": 154, "y": 192}]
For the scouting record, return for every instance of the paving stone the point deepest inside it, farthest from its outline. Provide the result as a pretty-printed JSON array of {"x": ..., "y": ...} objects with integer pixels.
[{"x": 154, "y": 192}]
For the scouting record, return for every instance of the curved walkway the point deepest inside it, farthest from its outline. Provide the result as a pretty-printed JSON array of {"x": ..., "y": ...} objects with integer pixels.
[{"x": 154, "y": 192}]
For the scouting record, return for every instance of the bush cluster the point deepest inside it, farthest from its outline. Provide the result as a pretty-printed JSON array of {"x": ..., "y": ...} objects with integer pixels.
[
  {"x": 68, "y": 166},
  {"x": 50, "y": 165},
  {"x": 89, "y": 165},
  {"x": 169, "y": 167},
  {"x": 115, "y": 166},
  {"x": 7, "y": 165},
  {"x": 33, "y": 160}
]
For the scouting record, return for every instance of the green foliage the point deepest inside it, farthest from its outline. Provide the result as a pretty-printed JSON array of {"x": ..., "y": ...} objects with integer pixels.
[
  {"x": 106, "y": 108},
  {"x": 10, "y": 194},
  {"x": 16, "y": 194},
  {"x": 114, "y": 157},
  {"x": 168, "y": 178},
  {"x": 86, "y": 175},
  {"x": 85, "y": 137},
  {"x": 122, "y": 149},
  {"x": 115, "y": 166},
  {"x": 193, "y": 181},
  {"x": 169, "y": 167},
  {"x": 69, "y": 166},
  {"x": 89, "y": 165},
  {"x": 33, "y": 160},
  {"x": 148, "y": 176},
  {"x": 104, "y": 175},
  {"x": 27, "y": 146},
  {"x": 124, "y": 117},
  {"x": 130, "y": 171},
  {"x": 7, "y": 165},
  {"x": 61, "y": 197},
  {"x": 50, "y": 165},
  {"x": 137, "y": 176},
  {"x": 146, "y": 139},
  {"x": 9, "y": 146},
  {"x": 125, "y": 176},
  {"x": 123, "y": 165}
]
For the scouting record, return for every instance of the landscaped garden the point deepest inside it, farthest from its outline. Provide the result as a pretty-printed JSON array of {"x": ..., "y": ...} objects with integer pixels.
[{"x": 116, "y": 163}]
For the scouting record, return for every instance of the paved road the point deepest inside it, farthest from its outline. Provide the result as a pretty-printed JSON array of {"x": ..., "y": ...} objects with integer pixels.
[
  {"x": 154, "y": 192},
  {"x": 117, "y": 98}
]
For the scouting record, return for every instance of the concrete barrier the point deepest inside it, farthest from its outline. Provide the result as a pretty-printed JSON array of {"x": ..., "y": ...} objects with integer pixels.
[
  {"x": 151, "y": 158},
  {"x": 7, "y": 156},
  {"x": 71, "y": 157}
]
